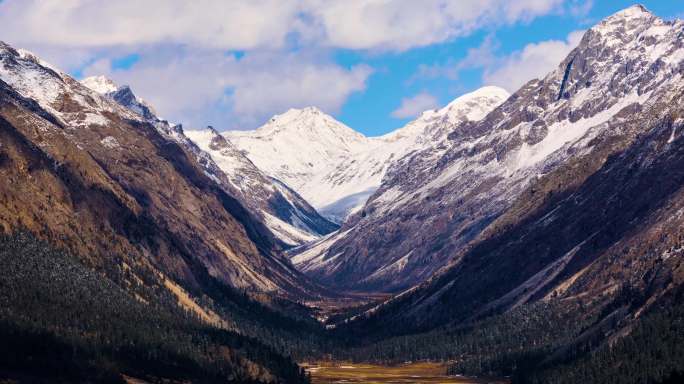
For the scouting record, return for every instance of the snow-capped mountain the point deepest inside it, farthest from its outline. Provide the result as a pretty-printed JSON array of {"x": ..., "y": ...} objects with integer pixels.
[
  {"x": 291, "y": 219},
  {"x": 303, "y": 148},
  {"x": 336, "y": 168},
  {"x": 99, "y": 179},
  {"x": 434, "y": 205},
  {"x": 284, "y": 212},
  {"x": 121, "y": 94},
  {"x": 100, "y": 84}
]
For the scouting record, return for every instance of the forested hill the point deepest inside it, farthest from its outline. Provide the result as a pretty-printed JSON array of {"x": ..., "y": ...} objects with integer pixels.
[{"x": 62, "y": 322}]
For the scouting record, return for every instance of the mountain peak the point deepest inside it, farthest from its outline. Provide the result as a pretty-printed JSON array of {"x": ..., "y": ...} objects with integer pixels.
[
  {"x": 309, "y": 110},
  {"x": 121, "y": 94},
  {"x": 470, "y": 106},
  {"x": 473, "y": 103},
  {"x": 635, "y": 11},
  {"x": 216, "y": 140},
  {"x": 307, "y": 113},
  {"x": 8, "y": 50},
  {"x": 488, "y": 91},
  {"x": 100, "y": 84},
  {"x": 628, "y": 18},
  {"x": 307, "y": 121}
]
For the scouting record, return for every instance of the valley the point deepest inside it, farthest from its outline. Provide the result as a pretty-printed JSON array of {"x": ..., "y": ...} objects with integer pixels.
[{"x": 525, "y": 237}]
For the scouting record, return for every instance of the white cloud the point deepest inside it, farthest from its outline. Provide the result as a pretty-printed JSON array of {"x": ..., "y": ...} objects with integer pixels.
[
  {"x": 478, "y": 57},
  {"x": 265, "y": 83},
  {"x": 246, "y": 25},
  {"x": 510, "y": 71},
  {"x": 184, "y": 70},
  {"x": 208, "y": 87},
  {"x": 413, "y": 106},
  {"x": 483, "y": 56},
  {"x": 580, "y": 8},
  {"x": 403, "y": 24},
  {"x": 207, "y": 23},
  {"x": 533, "y": 61}
]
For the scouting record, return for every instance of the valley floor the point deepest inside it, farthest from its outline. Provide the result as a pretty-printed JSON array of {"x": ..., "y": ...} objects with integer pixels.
[
  {"x": 345, "y": 305},
  {"x": 343, "y": 372}
]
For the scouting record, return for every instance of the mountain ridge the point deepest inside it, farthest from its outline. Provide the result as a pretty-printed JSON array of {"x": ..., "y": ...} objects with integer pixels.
[
  {"x": 433, "y": 204},
  {"x": 288, "y": 216},
  {"x": 332, "y": 166},
  {"x": 597, "y": 213},
  {"x": 103, "y": 145}
]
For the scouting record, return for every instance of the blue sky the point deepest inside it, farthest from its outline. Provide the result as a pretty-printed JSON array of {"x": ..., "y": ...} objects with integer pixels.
[
  {"x": 370, "y": 111},
  {"x": 372, "y": 64}
]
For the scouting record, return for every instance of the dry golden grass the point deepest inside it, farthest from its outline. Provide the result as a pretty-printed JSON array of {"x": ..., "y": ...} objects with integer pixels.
[
  {"x": 185, "y": 301},
  {"x": 341, "y": 372}
]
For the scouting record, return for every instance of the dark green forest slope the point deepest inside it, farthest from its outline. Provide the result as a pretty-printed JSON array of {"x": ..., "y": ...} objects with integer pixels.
[{"x": 63, "y": 321}]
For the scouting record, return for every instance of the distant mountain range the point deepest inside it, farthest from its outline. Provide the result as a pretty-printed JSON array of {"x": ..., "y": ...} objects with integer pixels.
[
  {"x": 537, "y": 235},
  {"x": 290, "y": 219},
  {"x": 336, "y": 168}
]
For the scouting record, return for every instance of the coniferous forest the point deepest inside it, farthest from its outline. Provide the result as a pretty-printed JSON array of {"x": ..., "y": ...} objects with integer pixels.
[
  {"x": 77, "y": 325},
  {"x": 64, "y": 322}
]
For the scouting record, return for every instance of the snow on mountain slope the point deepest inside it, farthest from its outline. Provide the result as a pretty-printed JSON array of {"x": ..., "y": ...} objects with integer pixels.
[
  {"x": 433, "y": 204},
  {"x": 100, "y": 84},
  {"x": 37, "y": 80},
  {"x": 590, "y": 205},
  {"x": 336, "y": 168},
  {"x": 121, "y": 94},
  {"x": 300, "y": 148},
  {"x": 432, "y": 126},
  {"x": 291, "y": 219},
  {"x": 103, "y": 181},
  {"x": 283, "y": 211}
]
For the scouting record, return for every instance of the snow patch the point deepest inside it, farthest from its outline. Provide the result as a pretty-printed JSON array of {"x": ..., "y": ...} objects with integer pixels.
[
  {"x": 100, "y": 84},
  {"x": 565, "y": 132},
  {"x": 110, "y": 142},
  {"x": 315, "y": 254},
  {"x": 287, "y": 233},
  {"x": 95, "y": 119}
]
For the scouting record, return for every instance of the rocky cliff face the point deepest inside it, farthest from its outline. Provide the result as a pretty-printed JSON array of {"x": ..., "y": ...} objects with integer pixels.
[
  {"x": 121, "y": 94},
  {"x": 433, "y": 206},
  {"x": 393, "y": 242},
  {"x": 289, "y": 217},
  {"x": 93, "y": 176},
  {"x": 570, "y": 191}
]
